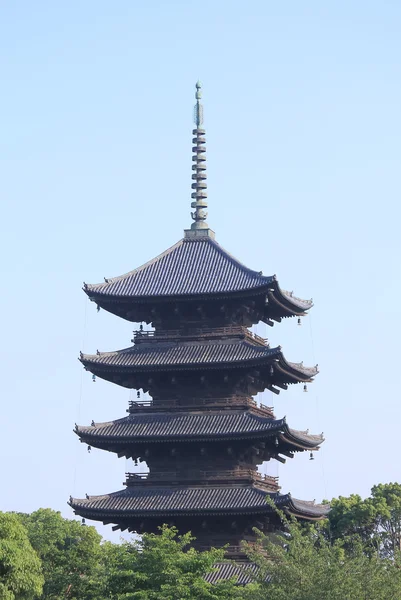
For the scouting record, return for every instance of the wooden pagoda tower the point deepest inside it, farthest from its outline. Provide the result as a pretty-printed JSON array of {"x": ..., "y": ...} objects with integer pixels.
[{"x": 202, "y": 435}]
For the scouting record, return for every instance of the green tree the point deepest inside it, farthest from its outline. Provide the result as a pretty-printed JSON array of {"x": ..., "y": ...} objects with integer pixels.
[
  {"x": 304, "y": 565},
  {"x": 353, "y": 517},
  {"x": 376, "y": 521},
  {"x": 386, "y": 498},
  {"x": 163, "y": 566},
  {"x": 70, "y": 555},
  {"x": 20, "y": 569}
]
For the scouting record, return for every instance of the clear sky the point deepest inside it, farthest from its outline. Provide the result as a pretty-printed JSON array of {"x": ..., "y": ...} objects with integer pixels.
[{"x": 302, "y": 113}]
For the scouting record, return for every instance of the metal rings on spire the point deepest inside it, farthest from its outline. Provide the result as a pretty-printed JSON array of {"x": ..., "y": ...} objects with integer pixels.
[{"x": 199, "y": 186}]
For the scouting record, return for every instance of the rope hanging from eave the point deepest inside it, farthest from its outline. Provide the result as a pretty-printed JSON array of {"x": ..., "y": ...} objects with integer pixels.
[
  {"x": 80, "y": 396},
  {"x": 317, "y": 408},
  {"x": 135, "y": 395},
  {"x": 268, "y": 467}
]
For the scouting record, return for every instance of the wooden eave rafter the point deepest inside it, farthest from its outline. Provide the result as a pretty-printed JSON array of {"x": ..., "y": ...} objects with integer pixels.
[
  {"x": 122, "y": 516},
  {"x": 124, "y": 445},
  {"x": 276, "y": 359},
  {"x": 278, "y": 306},
  {"x": 97, "y": 297}
]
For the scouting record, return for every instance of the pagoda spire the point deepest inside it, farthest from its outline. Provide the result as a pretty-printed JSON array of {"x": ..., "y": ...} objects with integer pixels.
[{"x": 199, "y": 186}]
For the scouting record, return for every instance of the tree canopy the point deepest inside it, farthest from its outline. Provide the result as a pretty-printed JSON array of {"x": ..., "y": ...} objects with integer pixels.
[
  {"x": 70, "y": 554},
  {"x": 304, "y": 565},
  {"x": 353, "y": 555},
  {"x": 20, "y": 567},
  {"x": 375, "y": 520},
  {"x": 163, "y": 566}
]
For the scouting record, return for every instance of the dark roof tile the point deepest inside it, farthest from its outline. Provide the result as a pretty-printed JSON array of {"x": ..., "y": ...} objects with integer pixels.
[
  {"x": 244, "y": 572},
  {"x": 154, "y": 501},
  {"x": 166, "y": 355},
  {"x": 190, "y": 267},
  {"x": 185, "y": 425}
]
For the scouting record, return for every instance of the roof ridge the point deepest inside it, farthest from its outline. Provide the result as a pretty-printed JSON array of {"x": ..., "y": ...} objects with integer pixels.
[
  {"x": 140, "y": 268},
  {"x": 183, "y": 414},
  {"x": 239, "y": 263},
  {"x": 163, "y": 345}
]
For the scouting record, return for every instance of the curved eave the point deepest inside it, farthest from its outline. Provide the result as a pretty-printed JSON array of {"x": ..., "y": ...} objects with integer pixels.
[
  {"x": 296, "y": 371},
  {"x": 87, "y": 436},
  {"x": 116, "y": 507},
  {"x": 280, "y": 303},
  {"x": 104, "y": 300},
  {"x": 101, "y": 435},
  {"x": 302, "y": 440},
  {"x": 100, "y": 360},
  {"x": 108, "y": 362},
  {"x": 303, "y": 509},
  {"x": 284, "y": 304}
]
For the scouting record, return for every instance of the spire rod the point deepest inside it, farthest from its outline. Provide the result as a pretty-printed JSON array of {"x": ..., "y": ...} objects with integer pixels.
[
  {"x": 198, "y": 108},
  {"x": 199, "y": 186}
]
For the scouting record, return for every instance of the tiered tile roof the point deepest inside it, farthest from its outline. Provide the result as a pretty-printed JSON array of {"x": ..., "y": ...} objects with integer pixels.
[
  {"x": 195, "y": 267},
  {"x": 193, "y": 427},
  {"x": 194, "y": 355},
  {"x": 166, "y": 501}
]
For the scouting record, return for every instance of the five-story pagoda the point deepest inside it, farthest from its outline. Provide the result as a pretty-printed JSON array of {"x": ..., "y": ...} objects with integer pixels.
[{"x": 202, "y": 435}]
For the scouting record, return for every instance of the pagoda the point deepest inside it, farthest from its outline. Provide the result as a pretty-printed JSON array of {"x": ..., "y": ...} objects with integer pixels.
[{"x": 202, "y": 435}]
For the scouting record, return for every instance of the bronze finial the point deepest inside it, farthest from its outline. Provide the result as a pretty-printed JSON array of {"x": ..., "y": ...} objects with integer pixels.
[
  {"x": 198, "y": 108},
  {"x": 199, "y": 185}
]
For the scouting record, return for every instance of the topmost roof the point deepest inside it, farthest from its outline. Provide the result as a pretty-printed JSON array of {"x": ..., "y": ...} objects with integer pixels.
[
  {"x": 193, "y": 266},
  {"x": 196, "y": 265}
]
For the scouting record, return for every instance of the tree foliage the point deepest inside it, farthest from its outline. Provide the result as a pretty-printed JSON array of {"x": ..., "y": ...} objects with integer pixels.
[
  {"x": 354, "y": 555},
  {"x": 163, "y": 566},
  {"x": 304, "y": 565},
  {"x": 20, "y": 568},
  {"x": 70, "y": 554},
  {"x": 376, "y": 521}
]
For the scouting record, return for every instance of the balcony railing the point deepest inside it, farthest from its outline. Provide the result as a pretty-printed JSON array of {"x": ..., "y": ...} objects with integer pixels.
[
  {"x": 203, "y": 477},
  {"x": 197, "y": 333},
  {"x": 230, "y": 551},
  {"x": 229, "y": 402}
]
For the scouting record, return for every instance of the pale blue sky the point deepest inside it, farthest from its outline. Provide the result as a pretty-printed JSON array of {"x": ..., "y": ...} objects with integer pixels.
[{"x": 302, "y": 112}]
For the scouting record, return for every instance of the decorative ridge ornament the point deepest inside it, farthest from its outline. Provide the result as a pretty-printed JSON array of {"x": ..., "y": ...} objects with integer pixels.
[
  {"x": 198, "y": 108},
  {"x": 199, "y": 186}
]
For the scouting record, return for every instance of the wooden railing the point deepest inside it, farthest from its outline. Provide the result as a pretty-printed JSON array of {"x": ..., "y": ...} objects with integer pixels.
[
  {"x": 229, "y": 402},
  {"x": 202, "y": 476},
  {"x": 139, "y": 404},
  {"x": 197, "y": 333},
  {"x": 231, "y": 549}
]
